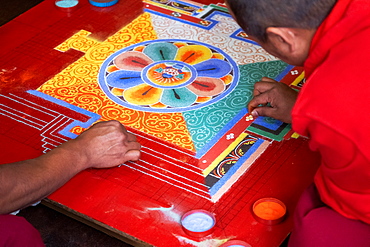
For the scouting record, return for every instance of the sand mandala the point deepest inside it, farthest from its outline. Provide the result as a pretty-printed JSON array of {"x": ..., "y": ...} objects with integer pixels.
[
  {"x": 187, "y": 97},
  {"x": 168, "y": 75}
]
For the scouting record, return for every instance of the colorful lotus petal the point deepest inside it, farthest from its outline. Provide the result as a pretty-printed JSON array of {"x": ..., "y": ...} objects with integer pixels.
[
  {"x": 124, "y": 79},
  {"x": 161, "y": 51},
  {"x": 180, "y": 97},
  {"x": 204, "y": 86},
  {"x": 193, "y": 54},
  {"x": 215, "y": 68},
  {"x": 132, "y": 60},
  {"x": 143, "y": 95}
]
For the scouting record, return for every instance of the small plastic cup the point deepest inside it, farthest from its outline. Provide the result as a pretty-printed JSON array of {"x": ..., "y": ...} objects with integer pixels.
[
  {"x": 198, "y": 223},
  {"x": 235, "y": 243},
  {"x": 103, "y": 3},
  {"x": 66, "y": 5},
  {"x": 269, "y": 211}
]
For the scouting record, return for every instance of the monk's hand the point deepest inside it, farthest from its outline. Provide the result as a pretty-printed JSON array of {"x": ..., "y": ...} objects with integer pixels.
[
  {"x": 272, "y": 99},
  {"x": 106, "y": 144}
]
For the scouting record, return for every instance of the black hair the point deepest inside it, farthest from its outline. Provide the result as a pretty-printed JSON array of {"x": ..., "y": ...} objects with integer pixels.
[{"x": 255, "y": 16}]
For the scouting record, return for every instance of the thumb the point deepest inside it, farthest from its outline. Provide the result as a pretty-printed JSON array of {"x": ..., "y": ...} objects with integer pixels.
[
  {"x": 263, "y": 111},
  {"x": 133, "y": 155},
  {"x": 257, "y": 102}
]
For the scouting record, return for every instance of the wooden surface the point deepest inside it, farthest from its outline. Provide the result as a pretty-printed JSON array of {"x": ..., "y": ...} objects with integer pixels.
[{"x": 285, "y": 170}]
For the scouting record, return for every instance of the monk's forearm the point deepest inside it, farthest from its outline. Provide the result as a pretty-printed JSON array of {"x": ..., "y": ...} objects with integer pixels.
[
  {"x": 26, "y": 182},
  {"x": 104, "y": 145}
]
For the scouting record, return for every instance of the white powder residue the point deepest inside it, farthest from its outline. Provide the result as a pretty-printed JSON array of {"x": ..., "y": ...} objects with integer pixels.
[
  {"x": 203, "y": 243},
  {"x": 168, "y": 212}
]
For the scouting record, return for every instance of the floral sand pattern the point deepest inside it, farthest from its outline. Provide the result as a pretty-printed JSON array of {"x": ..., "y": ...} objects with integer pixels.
[{"x": 168, "y": 75}]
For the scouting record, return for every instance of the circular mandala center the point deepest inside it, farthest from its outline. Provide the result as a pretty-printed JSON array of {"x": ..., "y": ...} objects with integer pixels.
[{"x": 168, "y": 74}]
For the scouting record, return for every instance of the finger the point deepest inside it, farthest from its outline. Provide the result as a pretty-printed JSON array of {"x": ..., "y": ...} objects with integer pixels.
[
  {"x": 131, "y": 137},
  {"x": 257, "y": 101},
  {"x": 133, "y": 146},
  {"x": 262, "y": 87},
  {"x": 132, "y": 155},
  {"x": 267, "y": 79},
  {"x": 103, "y": 123}
]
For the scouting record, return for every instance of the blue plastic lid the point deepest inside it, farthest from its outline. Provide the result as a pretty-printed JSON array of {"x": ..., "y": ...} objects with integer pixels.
[{"x": 103, "y": 4}]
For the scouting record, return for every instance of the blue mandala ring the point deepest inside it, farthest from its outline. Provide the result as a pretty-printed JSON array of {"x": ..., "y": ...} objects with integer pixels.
[{"x": 168, "y": 75}]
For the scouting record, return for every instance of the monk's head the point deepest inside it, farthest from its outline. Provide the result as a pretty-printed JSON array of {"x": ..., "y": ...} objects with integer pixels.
[{"x": 284, "y": 28}]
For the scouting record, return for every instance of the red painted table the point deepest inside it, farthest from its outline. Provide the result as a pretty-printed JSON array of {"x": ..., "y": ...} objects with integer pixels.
[{"x": 140, "y": 206}]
